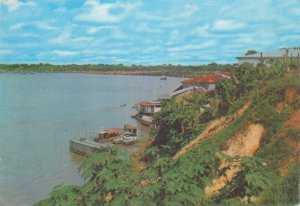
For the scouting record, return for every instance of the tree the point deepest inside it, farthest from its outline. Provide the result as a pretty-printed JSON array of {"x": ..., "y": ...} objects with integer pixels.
[{"x": 249, "y": 52}]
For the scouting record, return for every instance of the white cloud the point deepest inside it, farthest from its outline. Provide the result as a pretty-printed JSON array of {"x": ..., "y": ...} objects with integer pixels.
[
  {"x": 64, "y": 53},
  {"x": 189, "y": 10},
  {"x": 82, "y": 38},
  {"x": 144, "y": 15},
  {"x": 32, "y": 35},
  {"x": 202, "y": 31},
  {"x": 45, "y": 26},
  {"x": 144, "y": 27},
  {"x": 95, "y": 29},
  {"x": 38, "y": 24},
  {"x": 151, "y": 49},
  {"x": 64, "y": 36},
  {"x": 17, "y": 26},
  {"x": 224, "y": 25},
  {"x": 192, "y": 46},
  {"x": 289, "y": 37},
  {"x": 102, "y": 12},
  {"x": 13, "y": 5}
]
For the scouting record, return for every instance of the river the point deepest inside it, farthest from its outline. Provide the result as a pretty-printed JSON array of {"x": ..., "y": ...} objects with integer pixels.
[{"x": 40, "y": 112}]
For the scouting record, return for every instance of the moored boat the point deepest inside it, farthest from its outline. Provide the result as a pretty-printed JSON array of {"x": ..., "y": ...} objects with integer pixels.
[
  {"x": 84, "y": 146},
  {"x": 97, "y": 141},
  {"x": 163, "y": 77}
]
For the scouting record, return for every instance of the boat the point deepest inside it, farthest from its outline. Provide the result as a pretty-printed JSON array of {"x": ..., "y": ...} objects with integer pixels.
[
  {"x": 108, "y": 134},
  {"x": 163, "y": 77},
  {"x": 93, "y": 142},
  {"x": 128, "y": 136},
  {"x": 85, "y": 146},
  {"x": 144, "y": 119},
  {"x": 127, "y": 140}
]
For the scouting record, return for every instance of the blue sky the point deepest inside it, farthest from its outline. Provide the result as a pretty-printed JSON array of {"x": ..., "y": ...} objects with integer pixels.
[{"x": 189, "y": 32}]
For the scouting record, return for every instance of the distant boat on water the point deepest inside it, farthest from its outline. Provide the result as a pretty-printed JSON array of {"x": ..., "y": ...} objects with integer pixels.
[{"x": 163, "y": 77}]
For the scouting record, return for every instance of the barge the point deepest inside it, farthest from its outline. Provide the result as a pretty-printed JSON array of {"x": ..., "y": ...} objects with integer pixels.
[
  {"x": 84, "y": 146},
  {"x": 97, "y": 141}
]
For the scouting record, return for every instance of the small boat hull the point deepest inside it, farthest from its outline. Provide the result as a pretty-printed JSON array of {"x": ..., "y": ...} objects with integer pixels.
[
  {"x": 145, "y": 120},
  {"x": 86, "y": 147}
]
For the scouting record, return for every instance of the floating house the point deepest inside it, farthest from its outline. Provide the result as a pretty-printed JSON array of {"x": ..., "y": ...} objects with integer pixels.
[
  {"x": 145, "y": 111},
  {"x": 148, "y": 107}
]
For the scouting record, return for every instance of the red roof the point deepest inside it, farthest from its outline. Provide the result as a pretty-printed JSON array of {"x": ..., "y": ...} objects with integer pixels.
[
  {"x": 208, "y": 78},
  {"x": 148, "y": 103},
  {"x": 113, "y": 130}
]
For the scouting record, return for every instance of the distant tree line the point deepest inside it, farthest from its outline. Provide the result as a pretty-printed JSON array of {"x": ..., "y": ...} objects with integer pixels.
[{"x": 165, "y": 68}]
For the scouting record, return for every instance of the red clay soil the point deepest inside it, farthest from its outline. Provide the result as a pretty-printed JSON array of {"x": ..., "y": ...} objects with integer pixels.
[
  {"x": 294, "y": 120},
  {"x": 279, "y": 107},
  {"x": 214, "y": 127},
  {"x": 292, "y": 123},
  {"x": 244, "y": 143}
]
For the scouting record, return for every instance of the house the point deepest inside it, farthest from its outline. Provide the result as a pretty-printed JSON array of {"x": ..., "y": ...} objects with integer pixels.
[
  {"x": 205, "y": 82},
  {"x": 148, "y": 107},
  {"x": 269, "y": 57},
  {"x": 145, "y": 111}
]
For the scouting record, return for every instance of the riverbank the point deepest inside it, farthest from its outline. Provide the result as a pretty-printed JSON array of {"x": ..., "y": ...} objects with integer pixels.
[
  {"x": 148, "y": 73},
  {"x": 118, "y": 69}
]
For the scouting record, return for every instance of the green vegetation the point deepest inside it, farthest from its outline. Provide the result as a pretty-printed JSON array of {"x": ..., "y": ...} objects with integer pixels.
[
  {"x": 164, "y": 181},
  {"x": 175, "y": 70},
  {"x": 249, "y": 52}
]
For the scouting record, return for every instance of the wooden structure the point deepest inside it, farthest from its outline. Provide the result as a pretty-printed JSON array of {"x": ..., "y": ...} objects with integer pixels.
[
  {"x": 149, "y": 107},
  {"x": 108, "y": 134},
  {"x": 130, "y": 130}
]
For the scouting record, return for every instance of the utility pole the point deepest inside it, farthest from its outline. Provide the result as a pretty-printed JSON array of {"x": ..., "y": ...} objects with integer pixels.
[
  {"x": 287, "y": 67},
  {"x": 298, "y": 62},
  {"x": 261, "y": 59}
]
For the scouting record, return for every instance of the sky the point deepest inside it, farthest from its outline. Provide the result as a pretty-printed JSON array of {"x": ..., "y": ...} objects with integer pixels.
[{"x": 187, "y": 32}]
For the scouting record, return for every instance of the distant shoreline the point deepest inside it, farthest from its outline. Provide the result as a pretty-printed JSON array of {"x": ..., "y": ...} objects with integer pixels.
[
  {"x": 140, "y": 73},
  {"x": 106, "y": 69}
]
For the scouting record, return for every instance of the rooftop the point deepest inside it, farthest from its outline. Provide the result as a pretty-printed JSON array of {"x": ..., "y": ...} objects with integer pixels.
[
  {"x": 112, "y": 130},
  {"x": 128, "y": 126},
  {"x": 273, "y": 54},
  {"x": 149, "y": 103},
  {"x": 195, "y": 88},
  {"x": 208, "y": 78}
]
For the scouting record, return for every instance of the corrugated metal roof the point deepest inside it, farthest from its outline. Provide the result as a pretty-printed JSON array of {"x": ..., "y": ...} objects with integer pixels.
[
  {"x": 197, "y": 88},
  {"x": 274, "y": 54}
]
